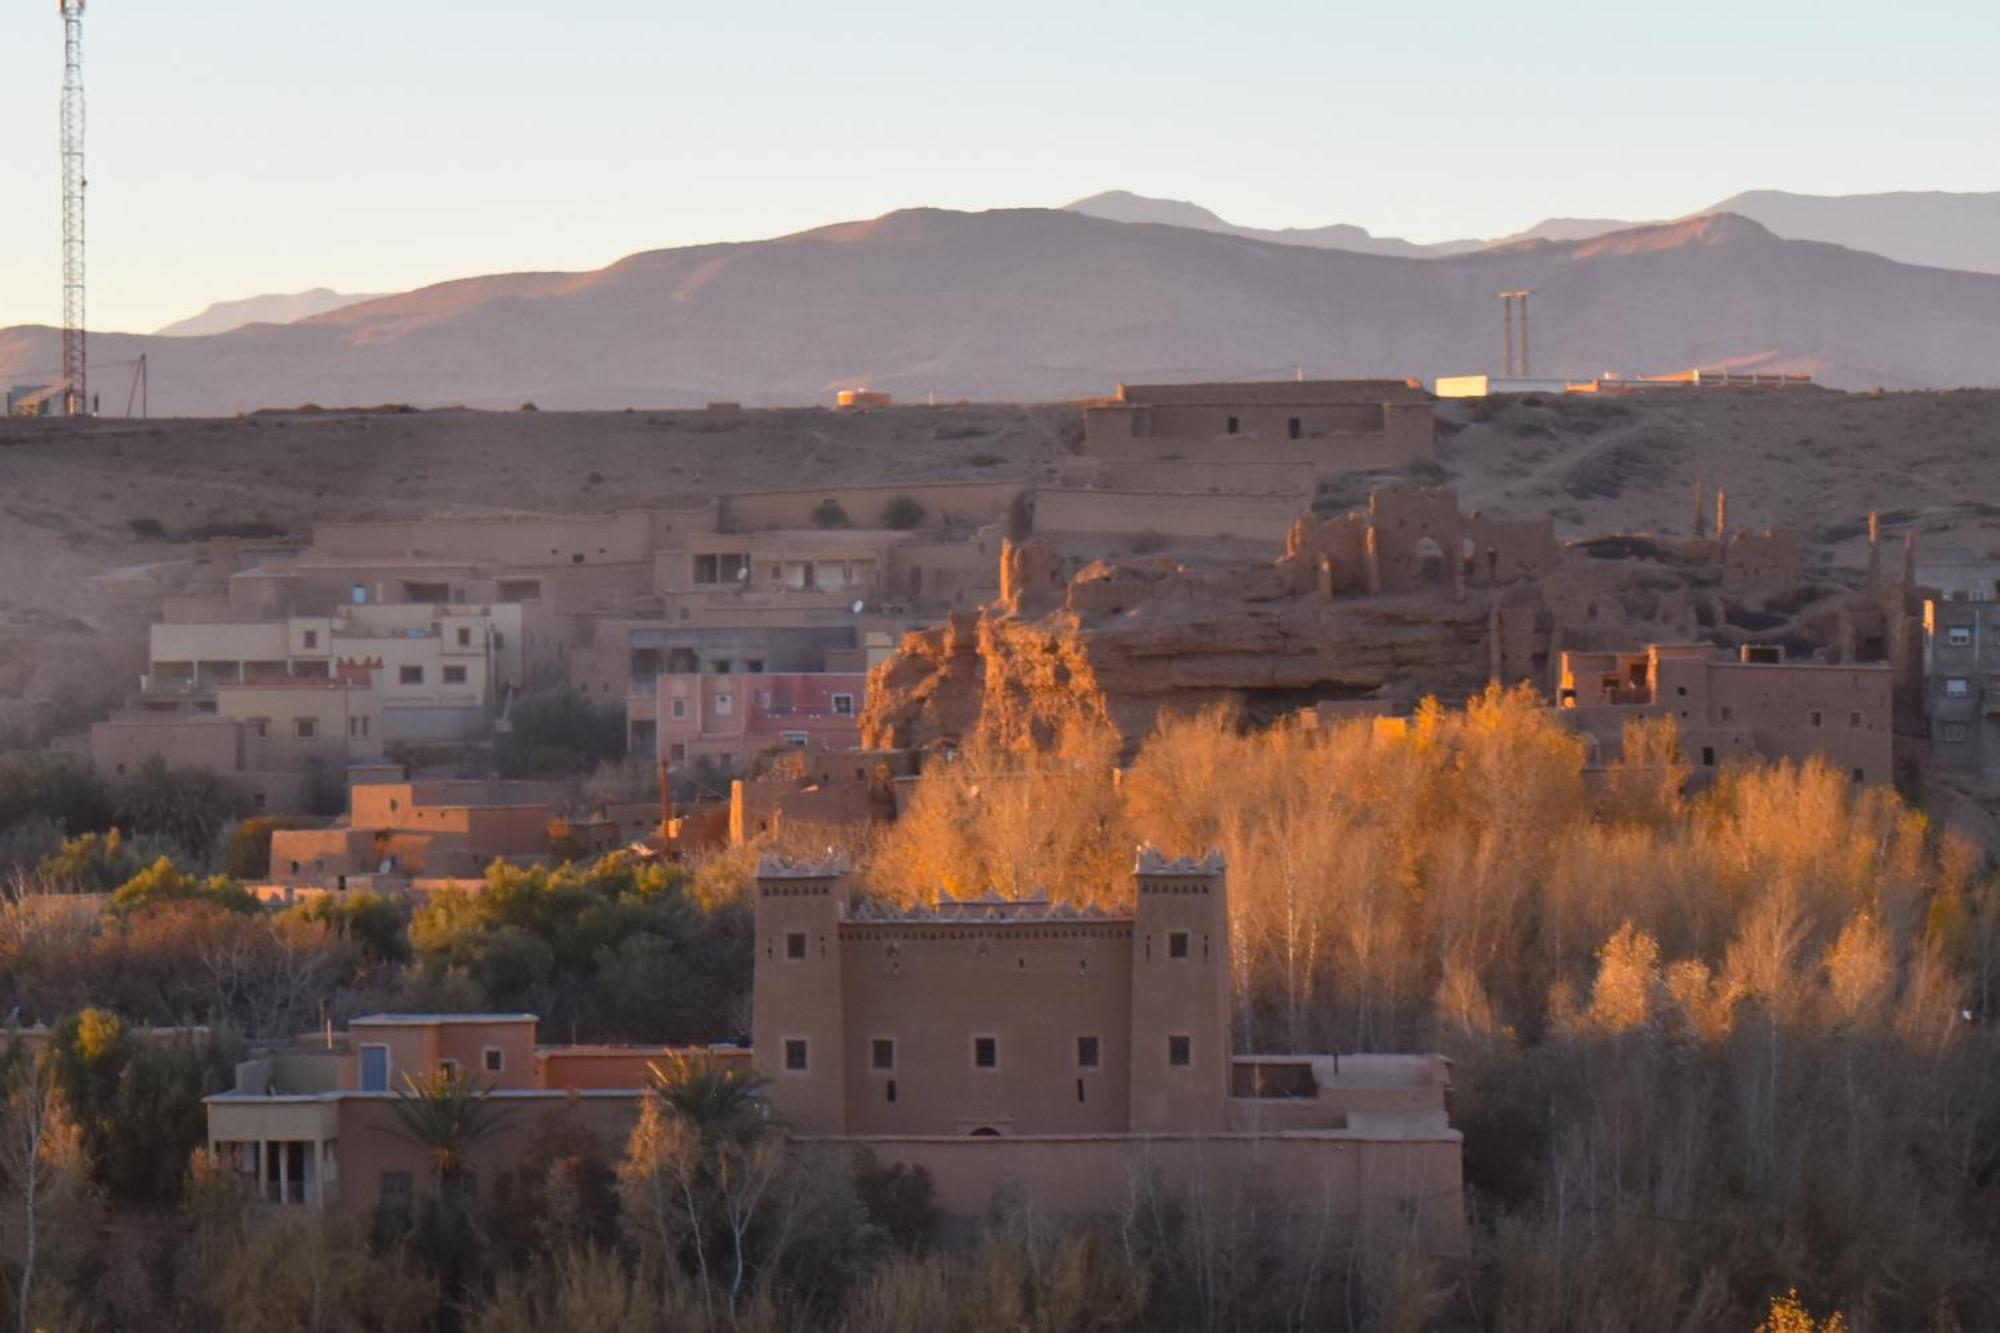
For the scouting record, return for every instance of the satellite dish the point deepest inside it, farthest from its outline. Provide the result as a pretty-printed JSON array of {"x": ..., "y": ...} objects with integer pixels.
[{"x": 857, "y": 608}]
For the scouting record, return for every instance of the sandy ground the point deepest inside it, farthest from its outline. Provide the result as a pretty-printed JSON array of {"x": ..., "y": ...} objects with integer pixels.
[{"x": 78, "y": 585}]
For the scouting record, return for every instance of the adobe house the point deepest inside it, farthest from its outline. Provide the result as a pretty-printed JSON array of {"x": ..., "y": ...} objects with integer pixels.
[
  {"x": 1057, "y": 1053},
  {"x": 1337, "y": 425},
  {"x": 407, "y": 830},
  {"x": 730, "y": 719},
  {"x": 1755, "y": 704}
]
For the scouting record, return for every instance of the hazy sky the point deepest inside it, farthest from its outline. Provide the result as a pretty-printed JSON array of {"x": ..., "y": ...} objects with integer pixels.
[{"x": 245, "y": 146}]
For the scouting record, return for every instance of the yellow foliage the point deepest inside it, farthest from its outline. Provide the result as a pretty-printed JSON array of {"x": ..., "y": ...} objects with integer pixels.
[{"x": 1789, "y": 1315}]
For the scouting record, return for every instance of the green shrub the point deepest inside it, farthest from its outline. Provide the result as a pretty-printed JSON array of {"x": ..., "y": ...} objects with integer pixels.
[
  {"x": 902, "y": 513},
  {"x": 829, "y": 513}
]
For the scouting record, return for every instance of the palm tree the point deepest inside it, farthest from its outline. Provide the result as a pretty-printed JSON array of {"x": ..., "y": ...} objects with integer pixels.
[
  {"x": 446, "y": 1117},
  {"x": 724, "y": 1106}
]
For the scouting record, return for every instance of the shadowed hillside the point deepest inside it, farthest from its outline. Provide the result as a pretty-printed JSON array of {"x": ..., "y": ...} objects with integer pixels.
[{"x": 1043, "y": 303}]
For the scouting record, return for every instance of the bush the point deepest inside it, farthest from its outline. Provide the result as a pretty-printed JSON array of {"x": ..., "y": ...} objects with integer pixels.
[
  {"x": 829, "y": 513},
  {"x": 557, "y": 731},
  {"x": 190, "y": 806},
  {"x": 902, "y": 513},
  {"x": 93, "y": 863},
  {"x": 164, "y": 882},
  {"x": 50, "y": 786},
  {"x": 246, "y": 855}
]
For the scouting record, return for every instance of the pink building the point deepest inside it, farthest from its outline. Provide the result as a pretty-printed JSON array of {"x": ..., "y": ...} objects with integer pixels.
[{"x": 730, "y": 718}]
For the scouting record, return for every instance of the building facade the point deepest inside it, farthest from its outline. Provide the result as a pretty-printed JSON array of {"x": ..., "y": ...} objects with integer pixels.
[
  {"x": 1061, "y": 1056},
  {"x": 1754, "y": 705}
]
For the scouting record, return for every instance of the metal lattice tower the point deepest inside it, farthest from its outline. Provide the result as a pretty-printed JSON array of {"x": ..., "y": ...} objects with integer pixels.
[{"x": 76, "y": 372}]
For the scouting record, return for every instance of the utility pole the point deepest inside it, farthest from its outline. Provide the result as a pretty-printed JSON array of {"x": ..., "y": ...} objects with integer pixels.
[
  {"x": 1522, "y": 296},
  {"x": 76, "y": 366},
  {"x": 1507, "y": 318}
]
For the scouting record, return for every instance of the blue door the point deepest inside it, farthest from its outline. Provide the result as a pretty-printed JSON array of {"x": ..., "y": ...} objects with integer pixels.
[{"x": 374, "y": 1068}]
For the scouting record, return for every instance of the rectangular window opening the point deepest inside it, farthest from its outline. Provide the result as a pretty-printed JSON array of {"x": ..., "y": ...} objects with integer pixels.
[
  {"x": 986, "y": 1052},
  {"x": 795, "y": 1055},
  {"x": 1180, "y": 1051}
]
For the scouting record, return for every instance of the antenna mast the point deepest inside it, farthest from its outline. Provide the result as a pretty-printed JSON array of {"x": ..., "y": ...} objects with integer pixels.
[{"x": 76, "y": 375}]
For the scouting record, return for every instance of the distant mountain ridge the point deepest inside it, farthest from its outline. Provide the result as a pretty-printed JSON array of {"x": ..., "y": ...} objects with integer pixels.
[
  {"x": 1044, "y": 303},
  {"x": 224, "y": 316},
  {"x": 1933, "y": 228}
]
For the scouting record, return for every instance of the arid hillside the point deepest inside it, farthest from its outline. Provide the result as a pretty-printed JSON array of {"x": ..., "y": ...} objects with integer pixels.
[
  {"x": 96, "y": 521},
  {"x": 1039, "y": 303}
]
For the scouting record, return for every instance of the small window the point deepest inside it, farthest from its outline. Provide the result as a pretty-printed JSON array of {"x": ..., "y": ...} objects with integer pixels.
[
  {"x": 1955, "y": 687},
  {"x": 1292, "y": 428},
  {"x": 1814, "y": 717},
  {"x": 890, "y": 1090},
  {"x": 312, "y": 638},
  {"x": 448, "y": 1069},
  {"x": 719, "y": 667},
  {"x": 263, "y": 725},
  {"x": 680, "y": 708},
  {"x": 1231, "y": 427},
  {"x": 374, "y": 1061},
  {"x": 396, "y": 1189},
  {"x": 410, "y": 675},
  {"x": 843, "y": 705},
  {"x": 1854, "y": 719},
  {"x": 795, "y": 1055},
  {"x": 1955, "y": 732},
  {"x": 795, "y": 739},
  {"x": 305, "y": 728},
  {"x": 795, "y": 945},
  {"x": 756, "y": 666},
  {"x": 1180, "y": 1051},
  {"x": 986, "y": 1052},
  {"x": 1959, "y": 636},
  {"x": 257, "y": 800},
  {"x": 1708, "y": 756},
  {"x": 1728, "y": 713},
  {"x": 882, "y": 1053},
  {"x": 1086, "y": 1052},
  {"x": 454, "y": 675},
  {"x": 1860, "y": 775},
  {"x": 724, "y": 705},
  {"x": 464, "y": 636},
  {"x": 1177, "y": 944},
  {"x": 494, "y": 1059}
]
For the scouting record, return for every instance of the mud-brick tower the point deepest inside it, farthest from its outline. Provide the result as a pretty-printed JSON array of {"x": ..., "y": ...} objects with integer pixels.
[
  {"x": 1180, "y": 995},
  {"x": 796, "y": 1027}
]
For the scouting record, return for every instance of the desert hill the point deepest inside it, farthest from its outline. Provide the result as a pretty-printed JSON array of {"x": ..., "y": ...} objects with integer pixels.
[
  {"x": 103, "y": 517},
  {"x": 1039, "y": 303}
]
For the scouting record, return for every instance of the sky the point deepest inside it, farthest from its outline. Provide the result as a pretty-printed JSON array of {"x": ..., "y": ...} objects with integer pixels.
[{"x": 246, "y": 146}]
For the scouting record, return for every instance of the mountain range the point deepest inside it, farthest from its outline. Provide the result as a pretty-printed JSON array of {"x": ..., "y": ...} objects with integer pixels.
[
  {"x": 1037, "y": 303},
  {"x": 289, "y": 308},
  {"x": 1929, "y": 227}
]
